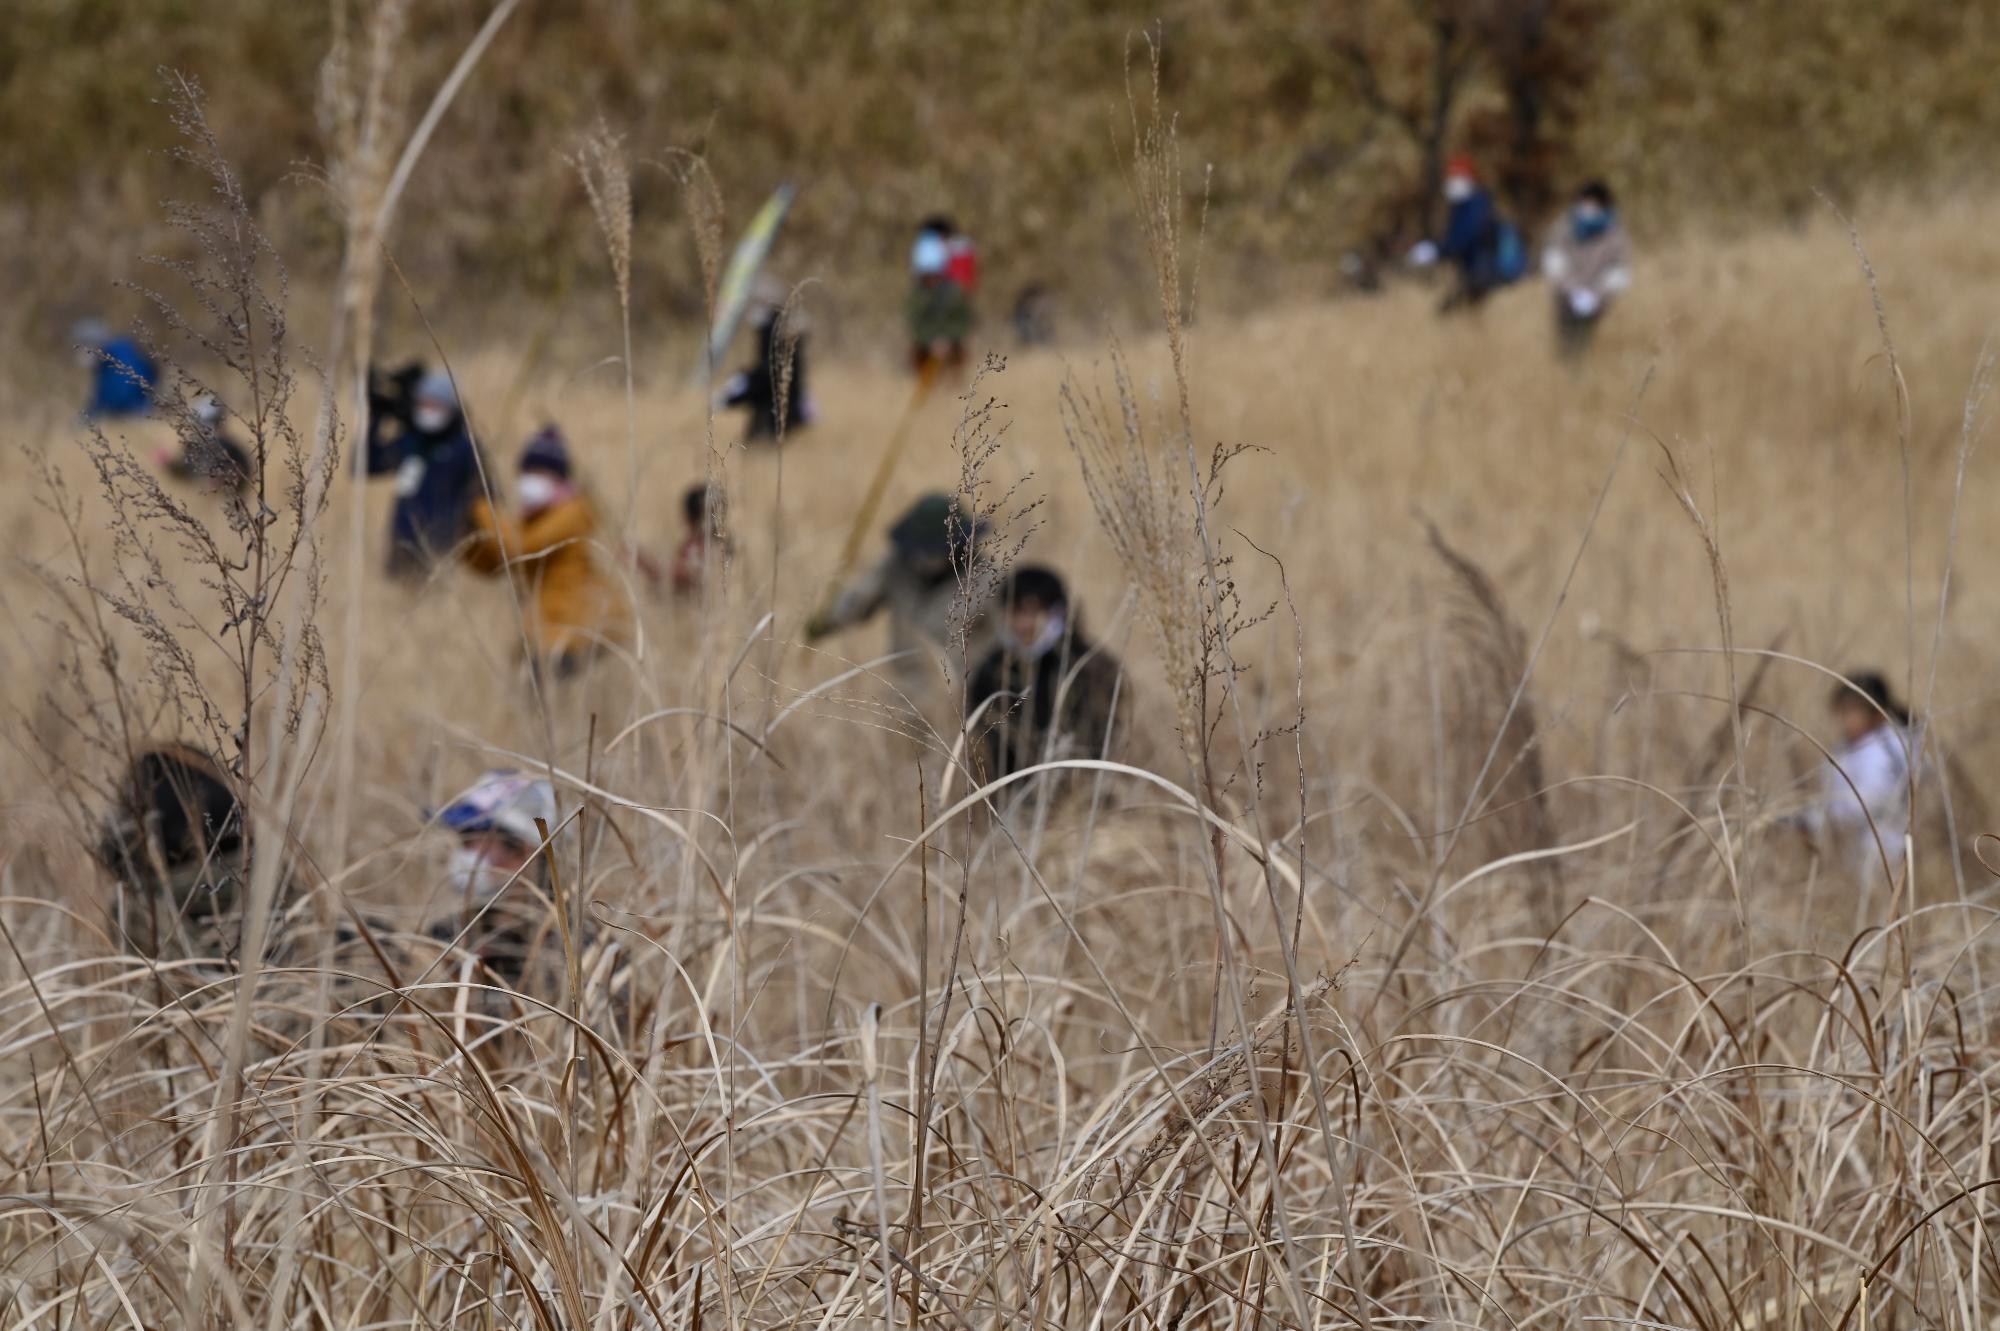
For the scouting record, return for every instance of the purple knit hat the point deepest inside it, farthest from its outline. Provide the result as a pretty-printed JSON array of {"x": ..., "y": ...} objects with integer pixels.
[{"x": 547, "y": 452}]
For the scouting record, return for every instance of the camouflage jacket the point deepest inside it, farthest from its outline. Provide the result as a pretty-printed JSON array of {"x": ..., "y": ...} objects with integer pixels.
[{"x": 922, "y": 613}]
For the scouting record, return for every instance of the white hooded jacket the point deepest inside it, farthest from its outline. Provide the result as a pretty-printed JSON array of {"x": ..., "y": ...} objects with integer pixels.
[{"x": 1868, "y": 785}]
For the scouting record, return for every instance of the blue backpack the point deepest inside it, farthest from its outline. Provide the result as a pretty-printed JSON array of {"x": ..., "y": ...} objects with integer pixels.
[{"x": 1510, "y": 253}]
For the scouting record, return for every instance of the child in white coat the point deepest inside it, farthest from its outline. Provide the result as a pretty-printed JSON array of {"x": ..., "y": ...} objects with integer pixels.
[{"x": 1865, "y": 792}]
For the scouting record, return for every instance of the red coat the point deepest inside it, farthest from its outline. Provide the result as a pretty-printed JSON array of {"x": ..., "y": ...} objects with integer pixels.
[{"x": 963, "y": 265}]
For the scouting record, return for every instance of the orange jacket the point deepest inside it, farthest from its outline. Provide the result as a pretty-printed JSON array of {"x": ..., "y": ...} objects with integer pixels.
[{"x": 576, "y": 606}]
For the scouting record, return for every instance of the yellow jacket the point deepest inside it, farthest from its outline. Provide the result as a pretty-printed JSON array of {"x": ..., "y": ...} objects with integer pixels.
[{"x": 576, "y": 607}]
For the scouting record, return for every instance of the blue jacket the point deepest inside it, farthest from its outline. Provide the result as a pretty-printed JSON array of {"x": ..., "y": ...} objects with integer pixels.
[
  {"x": 1470, "y": 230},
  {"x": 122, "y": 383},
  {"x": 437, "y": 476}
]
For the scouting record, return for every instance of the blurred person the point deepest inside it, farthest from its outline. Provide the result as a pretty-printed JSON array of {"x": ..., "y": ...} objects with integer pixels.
[
  {"x": 755, "y": 390},
  {"x": 704, "y": 512},
  {"x": 122, "y": 375},
  {"x": 1360, "y": 274},
  {"x": 392, "y": 399},
  {"x": 576, "y": 609},
  {"x": 1865, "y": 789},
  {"x": 1045, "y": 692},
  {"x": 1034, "y": 316},
  {"x": 1483, "y": 248},
  {"x": 499, "y": 851},
  {"x": 1588, "y": 264},
  {"x": 210, "y": 455},
  {"x": 918, "y": 582},
  {"x": 961, "y": 255},
  {"x": 174, "y": 838},
  {"x": 436, "y": 468},
  {"x": 939, "y": 310}
]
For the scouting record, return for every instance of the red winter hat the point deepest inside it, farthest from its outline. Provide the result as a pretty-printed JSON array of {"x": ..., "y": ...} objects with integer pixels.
[{"x": 1461, "y": 165}]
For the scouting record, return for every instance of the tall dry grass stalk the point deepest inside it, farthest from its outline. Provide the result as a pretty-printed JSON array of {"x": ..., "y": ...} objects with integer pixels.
[
  {"x": 223, "y": 607},
  {"x": 359, "y": 117},
  {"x": 599, "y": 159},
  {"x": 358, "y": 110},
  {"x": 1157, "y": 504}
]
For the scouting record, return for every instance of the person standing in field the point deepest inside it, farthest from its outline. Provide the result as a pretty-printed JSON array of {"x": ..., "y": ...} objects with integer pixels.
[
  {"x": 574, "y": 608},
  {"x": 1483, "y": 248},
  {"x": 918, "y": 581},
  {"x": 1045, "y": 692},
  {"x": 122, "y": 375},
  {"x": 939, "y": 308},
  {"x": 436, "y": 466},
  {"x": 1588, "y": 265},
  {"x": 781, "y": 356}
]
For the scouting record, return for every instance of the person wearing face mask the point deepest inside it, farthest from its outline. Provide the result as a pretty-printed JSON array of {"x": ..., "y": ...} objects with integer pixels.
[
  {"x": 1483, "y": 248},
  {"x": 436, "y": 468},
  {"x": 1045, "y": 692},
  {"x": 498, "y": 850},
  {"x": 924, "y": 584},
  {"x": 574, "y": 607},
  {"x": 1588, "y": 265}
]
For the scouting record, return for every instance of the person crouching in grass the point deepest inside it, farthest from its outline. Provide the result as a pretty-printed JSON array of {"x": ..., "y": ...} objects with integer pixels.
[
  {"x": 1046, "y": 692},
  {"x": 498, "y": 871},
  {"x": 548, "y": 546}
]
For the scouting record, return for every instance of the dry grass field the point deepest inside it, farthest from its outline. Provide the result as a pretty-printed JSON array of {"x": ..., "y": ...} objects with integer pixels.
[{"x": 1453, "y": 970}]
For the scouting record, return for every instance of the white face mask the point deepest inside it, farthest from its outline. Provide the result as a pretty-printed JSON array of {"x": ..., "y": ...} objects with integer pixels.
[
  {"x": 1054, "y": 625},
  {"x": 1458, "y": 188},
  {"x": 470, "y": 873},
  {"x": 431, "y": 419},
  {"x": 537, "y": 490}
]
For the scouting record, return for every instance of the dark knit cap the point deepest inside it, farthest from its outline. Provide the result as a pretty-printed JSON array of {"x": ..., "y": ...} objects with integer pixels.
[
  {"x": 1032, "y": 584},
  {"x": 547, "y": 452}
]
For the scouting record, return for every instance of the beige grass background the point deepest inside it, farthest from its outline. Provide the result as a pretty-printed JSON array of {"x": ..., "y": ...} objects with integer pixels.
[{"x": 1716, "y": 1096}]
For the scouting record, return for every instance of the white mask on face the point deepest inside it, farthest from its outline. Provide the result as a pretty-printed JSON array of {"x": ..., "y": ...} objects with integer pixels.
[
  {"x": 1458, "y": 188},
  {"x": 1054, "y": 625},
  {"x": 431, "y": 418},
  {"x": 537, "y": 490},
  {"x": 469, "y": 872}
]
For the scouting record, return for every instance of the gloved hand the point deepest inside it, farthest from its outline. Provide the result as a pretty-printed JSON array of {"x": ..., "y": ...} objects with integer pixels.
[
  {"x": 734, "y": 389},
  {"x": 1584, "y": 303},
  {"x": 1423, "y": 254}
]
